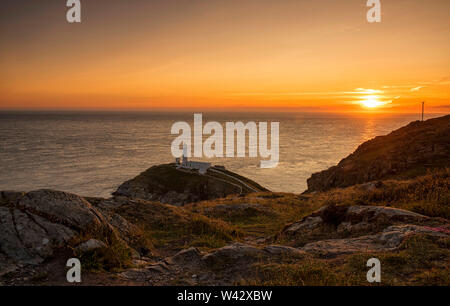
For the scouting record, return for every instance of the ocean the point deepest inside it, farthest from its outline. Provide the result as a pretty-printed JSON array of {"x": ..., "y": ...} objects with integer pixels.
[{"x": 92, "y": 153}]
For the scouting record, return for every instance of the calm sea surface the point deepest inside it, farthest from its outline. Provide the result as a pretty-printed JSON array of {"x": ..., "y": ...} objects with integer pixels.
[{"x": 92, "y": 153}]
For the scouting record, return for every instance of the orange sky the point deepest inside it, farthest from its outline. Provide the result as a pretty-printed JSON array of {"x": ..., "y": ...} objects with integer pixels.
[{"x": 317, "y": 55}]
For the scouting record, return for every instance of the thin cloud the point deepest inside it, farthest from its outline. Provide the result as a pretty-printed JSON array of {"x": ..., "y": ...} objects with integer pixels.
[
  {"x": 306, "y": 93},
  {"x": 396, "y": 86},
  {"x": 368, "y": 91},
  {"x": 357, "y": 91},
  {"x": 417, "y": 88}
]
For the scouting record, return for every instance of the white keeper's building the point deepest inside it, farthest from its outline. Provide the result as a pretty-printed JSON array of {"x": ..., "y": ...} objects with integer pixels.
[{"x": 192, "y": 165}]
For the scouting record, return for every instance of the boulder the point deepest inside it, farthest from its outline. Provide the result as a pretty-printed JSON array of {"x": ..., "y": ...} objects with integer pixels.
[
  {"x": 236, "y": 255},
  {"x": 281, "y": 250},
  {"x": 64, "y": 208},
  {"x": 29, "y": 239},
  {"x": 188, "y": 256},
  {"x": 34, "y": 225},
  {"x": 91, "y": 244}
]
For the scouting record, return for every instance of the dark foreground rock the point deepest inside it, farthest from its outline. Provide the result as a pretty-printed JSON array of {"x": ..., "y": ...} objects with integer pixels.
[
  {"x": 35, "y": 225},
  {"x": 405, "y": 153}
]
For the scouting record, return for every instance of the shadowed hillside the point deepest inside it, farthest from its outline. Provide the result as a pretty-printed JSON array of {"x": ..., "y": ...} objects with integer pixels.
[{"x": 405, "y": 153}]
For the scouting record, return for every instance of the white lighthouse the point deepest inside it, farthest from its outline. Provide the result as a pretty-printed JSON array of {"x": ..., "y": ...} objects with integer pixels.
[
  {"x": 184, "y": 157},
  {"x": 192, "y": 165}
]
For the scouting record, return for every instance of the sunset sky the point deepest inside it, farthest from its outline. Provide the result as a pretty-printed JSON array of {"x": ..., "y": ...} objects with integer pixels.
[{"x": 315, "y": 55}]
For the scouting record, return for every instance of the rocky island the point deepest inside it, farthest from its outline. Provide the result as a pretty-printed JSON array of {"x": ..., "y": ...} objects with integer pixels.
[
  {"x": 389, "y": 200},
  {"x": 171, "y": 185}
]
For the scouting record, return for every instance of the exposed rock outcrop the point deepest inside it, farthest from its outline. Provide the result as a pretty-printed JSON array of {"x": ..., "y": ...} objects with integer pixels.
[
  {"x": 389, "y": 239},
  {"x": 34, "y": 225},
  {"x": 335, "y": 230},
  {"x": 223, "y": 266},
  {"x": 405, "y": 153}
]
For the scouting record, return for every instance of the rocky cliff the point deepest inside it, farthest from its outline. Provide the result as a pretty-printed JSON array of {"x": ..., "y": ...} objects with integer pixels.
[{"x": 405, "y": 153}]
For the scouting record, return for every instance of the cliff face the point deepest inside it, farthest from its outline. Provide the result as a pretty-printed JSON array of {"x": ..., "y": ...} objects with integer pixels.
[
  {"x": 169, "y": 185},
  {"x": 405, "y": 153}
]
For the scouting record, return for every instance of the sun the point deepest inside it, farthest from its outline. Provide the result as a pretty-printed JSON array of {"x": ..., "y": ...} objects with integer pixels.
[{"x": 371, "y": 102}]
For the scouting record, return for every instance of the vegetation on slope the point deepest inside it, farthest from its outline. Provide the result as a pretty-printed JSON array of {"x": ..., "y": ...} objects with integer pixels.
[
  {"x": 428, "y": 195},
  {"x": 172, "y": 228},
  {"x": 421, "y": 260},
  {"x": 258, "y": 214}
]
